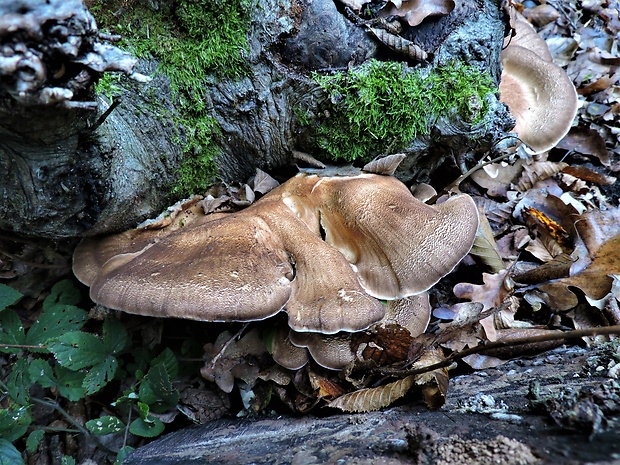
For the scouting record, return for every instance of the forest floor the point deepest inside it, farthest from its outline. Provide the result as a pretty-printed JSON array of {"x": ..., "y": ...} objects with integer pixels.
[
  {"x": 541, "y": 409},
  {"x": 561, "y": 406}
]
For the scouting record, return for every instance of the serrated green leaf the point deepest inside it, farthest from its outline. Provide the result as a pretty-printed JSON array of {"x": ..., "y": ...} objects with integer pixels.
[
  {"x": 9, "y": 455},
  {"x": 8, "y": 296},
  {"x": 145, "y": 429},
  {"x": 63, "y": 292},
  {"x": 99, "y": 375},
  {"x": 55, "y": 321},
  {"x": 41, "y": 372},
  {"x": 18, "y": 382},
  {"x": 77, "y": 350},
  {"x": 115, "y": 336},
  {"x": 169, "y": 362},
  {"x": 122, "y": 454},
  {"x": 156, "y": 389},
  {"x": 34, "y": 439},
  {"x": 105, "y": 425},
  {"x": 14, "y": 423},
  {"x": 70, "y": 383},
  {"x": 11, "y": 330}
]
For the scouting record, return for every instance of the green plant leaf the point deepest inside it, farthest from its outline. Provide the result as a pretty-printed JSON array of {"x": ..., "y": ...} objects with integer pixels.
[
  {"x": 70, "y": 383},
  {"x": 76, "y": 350},
  {"x": 157, "y": 391},
  {"x": 122, "y": 454},
  {"x": 63, "y": 292},
  {"x": 99, "y": 375},
  {"x": 8, "y": 296},
  {"x": 146, "y": 429},
  {"x": 18, "y": 382},
  {"x": 41, "y": 372},
  {"x": 55, "y": 321},
  {"x": 11, "y": 331},
  {"x": 143, "y": 410},
  {"x": 14, "y": 422},
  {"x": 115, "y": 336},
  {"x": 105, "y": 425},
  {"x": 34, "y": 439},
  {"x": 9, "y": 455},
  {"x": 169, "y": 362}
]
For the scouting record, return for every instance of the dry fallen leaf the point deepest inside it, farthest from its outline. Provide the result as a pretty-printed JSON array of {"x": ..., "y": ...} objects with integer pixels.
[
  {"x": 382, "y": 344},
  {"x": 369, "y": 399},
  {"x": 434, "y": 383},
  {"x": 537, "y": 171},
  {"x": 597, "y": 256},
  {"x": 228, "y": 359},
  {"x": 416, "y": 11},
  {"x": 586, "y": 141},
  {"x": 594, "y": 280},
  {"x": 263, "y": 183},
  {"x": 485, "y": 247}
]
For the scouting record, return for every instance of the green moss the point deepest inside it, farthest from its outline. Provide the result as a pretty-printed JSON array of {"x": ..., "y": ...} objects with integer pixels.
[
  {"x": 108, "y": 86},
  {"x": 200, "y": 40},
  {"x": 385, "y": 105}
]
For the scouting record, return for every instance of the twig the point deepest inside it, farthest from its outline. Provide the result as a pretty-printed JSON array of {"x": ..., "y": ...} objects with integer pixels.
[
  {"x": 127, "y": 427},
  {"x": 464, "y": 176},
  {"x": 236, "y": 337},
  {"x": 72, "y": 420},
  {"x": 566, "y": 335},
  {"x": 102, "y": 118}
]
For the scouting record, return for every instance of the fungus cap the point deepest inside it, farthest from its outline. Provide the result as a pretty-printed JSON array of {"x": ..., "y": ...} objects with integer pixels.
[
  {"x": 540, "y": 95},
  {"x": 271, "y": 257},
  {"x": 538, "y": 92},
  {"x": 398, "y": 245}
]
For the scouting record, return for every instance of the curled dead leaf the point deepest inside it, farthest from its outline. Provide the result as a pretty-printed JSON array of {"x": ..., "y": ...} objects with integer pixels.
[
  {"x": 434, "y": 383},
  {"x": 369, "y": 399},
  {"x": 416, "y": 11},
  {"x": 485, "y": 247}
]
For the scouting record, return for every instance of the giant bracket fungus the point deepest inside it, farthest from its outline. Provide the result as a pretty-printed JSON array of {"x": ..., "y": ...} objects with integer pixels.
[{"x": 322, "y": 249}]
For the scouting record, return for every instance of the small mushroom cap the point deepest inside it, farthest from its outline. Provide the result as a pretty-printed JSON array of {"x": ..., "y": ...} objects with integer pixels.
[
  {"x": 286, "y": 354},
  {"x": 540, "y": 95},
  {"x": 330, "y": 351},
  {"x": 412, "y": 313},
  {"x": 398, "y": 245}
]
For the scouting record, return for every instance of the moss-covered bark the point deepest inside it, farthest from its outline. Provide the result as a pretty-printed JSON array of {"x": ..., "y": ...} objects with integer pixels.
[{"x": 232, "y": 89}]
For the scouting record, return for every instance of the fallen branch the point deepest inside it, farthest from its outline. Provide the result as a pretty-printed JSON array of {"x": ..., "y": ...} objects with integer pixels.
[{"x": 566, "y": 335}]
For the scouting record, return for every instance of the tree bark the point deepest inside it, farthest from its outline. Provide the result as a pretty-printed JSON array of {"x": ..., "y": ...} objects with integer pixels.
[{"x": 67, "y": 173}]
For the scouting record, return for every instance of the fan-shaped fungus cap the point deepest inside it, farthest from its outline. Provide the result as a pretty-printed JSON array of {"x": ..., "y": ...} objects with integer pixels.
[
  {"x": 286, "y": 354},
  {"x": 398, "y": 245},
  {"x": 539, "y": 93}
]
